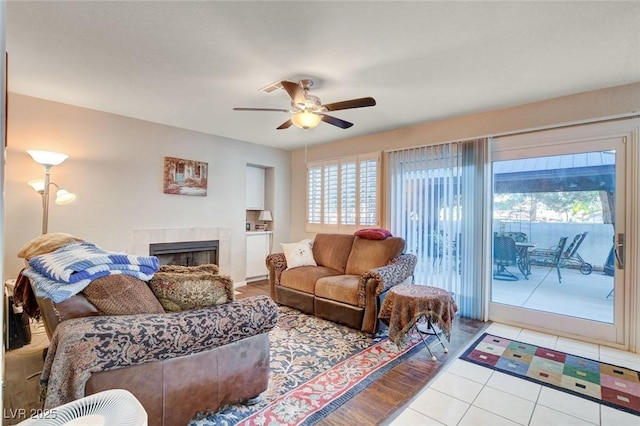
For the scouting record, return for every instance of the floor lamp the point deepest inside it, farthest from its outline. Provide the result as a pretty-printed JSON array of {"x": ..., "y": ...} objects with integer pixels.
[{"x": 49, "y": 159}]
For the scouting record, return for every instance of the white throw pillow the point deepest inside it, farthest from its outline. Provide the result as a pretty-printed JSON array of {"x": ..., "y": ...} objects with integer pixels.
[{"x": 298, "y": 254}]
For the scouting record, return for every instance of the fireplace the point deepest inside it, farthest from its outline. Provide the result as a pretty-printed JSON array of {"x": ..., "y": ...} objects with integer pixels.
[{"x": 186, "y": 253}]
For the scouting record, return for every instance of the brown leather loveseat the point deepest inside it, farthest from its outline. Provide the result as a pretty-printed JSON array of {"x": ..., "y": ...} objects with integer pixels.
[
  {"x": 349, "y": 281},
  {"x": 176, "y": 364}
]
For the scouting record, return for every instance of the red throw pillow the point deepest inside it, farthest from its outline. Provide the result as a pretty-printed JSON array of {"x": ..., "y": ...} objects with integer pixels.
[{"x": 373, "y": 233}]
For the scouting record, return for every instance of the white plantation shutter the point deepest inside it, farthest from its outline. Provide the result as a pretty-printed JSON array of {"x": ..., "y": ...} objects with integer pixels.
[
  {"x": 314, "y": 195},
  {"x": 342, "y": 194},
  {"x": 348, "y": 195},
  {"x": 330, "y": 192},
  {"x": 369, "y": 192}
]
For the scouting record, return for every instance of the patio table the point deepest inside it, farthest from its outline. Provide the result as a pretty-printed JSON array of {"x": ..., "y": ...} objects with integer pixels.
[{"x": 524, "y": 262}]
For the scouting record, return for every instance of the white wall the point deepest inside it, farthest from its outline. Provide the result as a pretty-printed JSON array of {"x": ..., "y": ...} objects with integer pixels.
[
  {"x": 577, "y": 108},
  {"x": 567, "y": 109},
  {"x": 115, "y": 168}
]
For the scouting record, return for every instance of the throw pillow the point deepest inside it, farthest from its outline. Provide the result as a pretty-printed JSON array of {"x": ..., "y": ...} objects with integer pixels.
[
  {"x": 208, "y": 267},
  {"x": 299, "y": 254},
  {"x": 46, "y": 244},
  {"x": 373, "y": 233},
  {"x": 122, "y": 295},
  {"x": 184, "y": 290}
]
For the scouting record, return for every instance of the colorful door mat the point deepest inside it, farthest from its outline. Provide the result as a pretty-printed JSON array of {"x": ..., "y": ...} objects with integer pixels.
[{"x": 607, "y": 384}]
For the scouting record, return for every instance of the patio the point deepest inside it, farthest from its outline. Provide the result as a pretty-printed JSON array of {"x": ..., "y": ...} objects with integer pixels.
[{"x": 581, "y": 296}]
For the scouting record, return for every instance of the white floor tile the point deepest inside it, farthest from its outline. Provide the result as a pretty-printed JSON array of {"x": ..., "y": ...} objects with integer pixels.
[
  {"x": 439, "y": 406},
  {"x": 457, "y": 387},
  {"x": 573, "y": 405},
  {"x": 478, "y": 417},
  {"x": 503, "y": 330},
  {"x": 620, "y": 362},
  {"x": 470, "y": 371},
  {"x": 612, "y": 417},
  {"x": 544, "y": 416},
  {"x": 584, "y": 352},
  {"x": 538, "y": 338},
  {"x": 515, "y": 386},
  {"x": 608, "y": 352},
  {"x": 505, "y": 405},
  {"x": 500, "y": 399},
  {"x": 617, "y": 353},
  {"x": 411, "y": 417},
  {"x": 570, "y": 345}
]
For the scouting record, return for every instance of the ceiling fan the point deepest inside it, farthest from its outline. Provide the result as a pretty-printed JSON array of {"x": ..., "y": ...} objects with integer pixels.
[{"x": 307, "y": 111}]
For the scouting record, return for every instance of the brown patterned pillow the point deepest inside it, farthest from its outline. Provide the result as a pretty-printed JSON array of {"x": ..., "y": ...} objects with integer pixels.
[
  {"x": 122, "y": 295},
  {"x": 180, "y": 291}
]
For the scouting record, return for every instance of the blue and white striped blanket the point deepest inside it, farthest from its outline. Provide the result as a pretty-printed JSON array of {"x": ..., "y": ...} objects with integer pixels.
[{"x": 68, "y": 270}]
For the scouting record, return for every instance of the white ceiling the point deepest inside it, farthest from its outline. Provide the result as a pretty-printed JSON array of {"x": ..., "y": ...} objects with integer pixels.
[{"x": 187, "y": 64}]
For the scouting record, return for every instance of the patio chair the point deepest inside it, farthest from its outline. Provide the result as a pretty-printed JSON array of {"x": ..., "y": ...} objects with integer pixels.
[
  {"x": 551, "y": 256},
  {"x": 504, "y": 255},
  {"x": 571, "y": 256}
]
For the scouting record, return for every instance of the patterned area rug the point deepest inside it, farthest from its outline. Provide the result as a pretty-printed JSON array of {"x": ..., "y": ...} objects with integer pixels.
[
  {"x": 607, "y": 384},
  {"x": 316, "y": 366}
]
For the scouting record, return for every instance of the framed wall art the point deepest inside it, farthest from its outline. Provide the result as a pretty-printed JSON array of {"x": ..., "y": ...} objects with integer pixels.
[{"x": 185, "y": 177}]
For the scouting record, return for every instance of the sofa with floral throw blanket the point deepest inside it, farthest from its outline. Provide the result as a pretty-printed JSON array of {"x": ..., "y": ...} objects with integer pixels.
[
  {"x": 176, "y": 364},
  {"x": 180, "y": 343}
]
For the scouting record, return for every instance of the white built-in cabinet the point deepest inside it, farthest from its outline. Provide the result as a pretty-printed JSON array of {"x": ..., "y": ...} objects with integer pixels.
[
  {"x": 258, "y": 247},
  {"x": 255, "y": 188}
]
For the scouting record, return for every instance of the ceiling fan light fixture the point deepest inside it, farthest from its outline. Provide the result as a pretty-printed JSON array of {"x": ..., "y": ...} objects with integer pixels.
[{"x": 306, "y": 120}]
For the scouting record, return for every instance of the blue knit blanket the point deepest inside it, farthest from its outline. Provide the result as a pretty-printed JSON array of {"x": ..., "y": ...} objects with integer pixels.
[{"x": 68, "y": 270}]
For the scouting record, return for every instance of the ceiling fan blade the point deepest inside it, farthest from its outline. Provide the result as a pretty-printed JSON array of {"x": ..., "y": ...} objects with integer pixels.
[
  {"x": 285, "y": 125},
  {"x": 261, "y": 109},
  {"x": 353, "y": 103},
  {"x": 294, "y": 90},
  {"x": 336, "y": 121}
]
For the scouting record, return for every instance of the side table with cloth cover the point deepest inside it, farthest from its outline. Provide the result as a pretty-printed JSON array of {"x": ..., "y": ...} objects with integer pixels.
[{"x": 406, "y": 304}]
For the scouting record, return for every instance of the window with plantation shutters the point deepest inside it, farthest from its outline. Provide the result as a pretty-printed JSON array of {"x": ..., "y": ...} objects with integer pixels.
[{"x": 342, "y": 194}]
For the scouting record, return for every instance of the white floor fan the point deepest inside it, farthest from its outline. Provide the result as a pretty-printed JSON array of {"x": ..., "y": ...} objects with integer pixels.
[{"x": 112, "y": 407}]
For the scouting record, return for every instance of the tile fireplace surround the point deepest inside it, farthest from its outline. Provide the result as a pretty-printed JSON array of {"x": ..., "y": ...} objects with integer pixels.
[{"x": 141, "y": 238}]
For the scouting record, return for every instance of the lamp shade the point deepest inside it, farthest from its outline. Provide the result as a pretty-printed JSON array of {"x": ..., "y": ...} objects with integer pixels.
[
  {"x": 47, "y": 158},
  {"x": 265, "y": 215},
  {"x": 37, "y": 185},
  {"x": 306, "y": 119},
  {"x": 64, "y": 197}
]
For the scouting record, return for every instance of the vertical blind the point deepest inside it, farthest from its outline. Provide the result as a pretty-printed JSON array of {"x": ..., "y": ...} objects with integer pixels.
[{"x": 430, "y": 189}]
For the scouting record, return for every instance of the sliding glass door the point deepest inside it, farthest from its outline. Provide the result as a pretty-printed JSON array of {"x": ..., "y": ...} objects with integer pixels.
[{"x": 557, "y": 232}]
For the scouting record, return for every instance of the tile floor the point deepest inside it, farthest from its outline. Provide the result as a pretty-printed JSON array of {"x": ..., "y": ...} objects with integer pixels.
[{"x": 466, "y": 394}]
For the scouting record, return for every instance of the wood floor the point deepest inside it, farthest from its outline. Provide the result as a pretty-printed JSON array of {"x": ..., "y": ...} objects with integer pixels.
[
  {"x": 388, "y": 396},
  {"x": 378, "y": 404}
]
